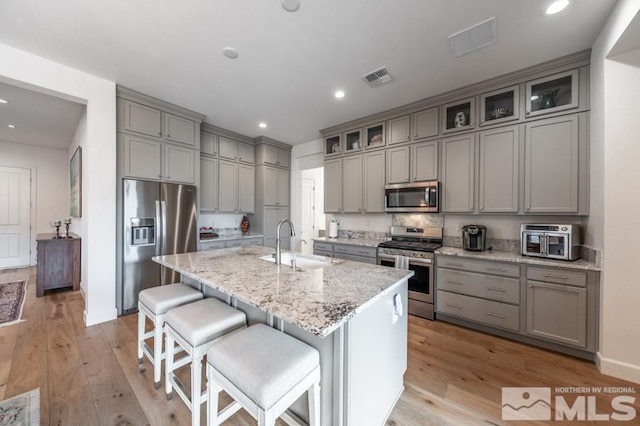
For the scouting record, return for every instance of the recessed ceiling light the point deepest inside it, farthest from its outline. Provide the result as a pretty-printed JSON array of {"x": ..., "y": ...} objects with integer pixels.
[
  {"x": 3, "y": 101},
  {"x": 339, "y": 94},
  {"x": 11, "y": 126},
  {"x": 290, "y": 5},
  {"x": 262, "y": 125},
  {"x": 556, "y": 7},
  {"x": 230, "y": 52}
]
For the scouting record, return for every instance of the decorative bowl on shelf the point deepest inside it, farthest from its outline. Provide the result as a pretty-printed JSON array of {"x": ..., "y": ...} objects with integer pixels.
[
  {"x": 335, "y": 147},
  {"x": 498, "y": 113},
  {"x": 375, "y": 140}
]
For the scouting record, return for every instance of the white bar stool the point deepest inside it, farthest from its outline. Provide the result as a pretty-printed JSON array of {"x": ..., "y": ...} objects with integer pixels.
[
  {"x": 264, "y": 371},
  {"x": 153, "y": 303},
  {"x": 195, "y": 327}
]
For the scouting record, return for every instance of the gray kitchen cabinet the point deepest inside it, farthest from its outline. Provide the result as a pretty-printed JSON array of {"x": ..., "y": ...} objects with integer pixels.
[
  {"x": 352, "y": 184},
  {"x": 499, "y": 159},
  {"x": 152, "y": 160},
  {"x": 208, "y": 184},
  {"x": 282, "y": 187},
  {"x": 355, "y": 253},
  {"x": 208, "y": 144},
  {"x": 142, "y": 119},
  {"x": 246, "y": 153},
  {"x": 178, "y": 129},
  {"x": 412, "y": 163},
  {"x": 459, "y": 116},
  {"x": 275, "y": 186},
  {"x": 240, "y": 242},
  {"x": 484, "y": 311},
  {"x": 246, "y": 188},
  {"x": 557, "y": 312},
  {"x": 227, "y": 148},
  {"x": 283, "y": 158},
  {"x": 424, "y": 161},
  {"x": 425, "y": 123},
  {"x": 458, "y": 156},
  {"x": 227, "y": 187},
  {"x": 153, "y": 122},
  {"x": 236, "y": 188},
  {"x": 552, "y": 165},
  {"x": 212, "y": 245},
  {"x": 500, "y": 105},
  {"x": 397, "y": 164},
  {"x": 399, "y": 130},
  {"x": 275, "y": 156},
  {"x": 333, "y": 186},
  {"x": 375, "y": 136},
  {"x": 272, "y": 215},
  {"x": 550, "y": 94},
  {"x": 322, "y": 249},
  {"x": 373, "y": 182}
]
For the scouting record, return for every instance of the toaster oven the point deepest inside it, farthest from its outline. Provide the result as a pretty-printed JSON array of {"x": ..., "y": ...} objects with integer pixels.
[{"x": 552, "y": 241}]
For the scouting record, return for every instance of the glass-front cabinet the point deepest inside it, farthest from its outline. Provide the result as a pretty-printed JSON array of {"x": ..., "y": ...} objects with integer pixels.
[
  {"x": 499, "y": 106},
  {"x": 332, "y": 145},
  {"x": 458, "y": 116},
  {"x": 554, "y": 93},
  {"x": 352, "y": 141},
  {"x": 375, "y": 136}
]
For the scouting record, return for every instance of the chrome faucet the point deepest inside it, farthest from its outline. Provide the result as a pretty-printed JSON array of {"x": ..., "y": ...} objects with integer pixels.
[{"x": 293, "y": 233}]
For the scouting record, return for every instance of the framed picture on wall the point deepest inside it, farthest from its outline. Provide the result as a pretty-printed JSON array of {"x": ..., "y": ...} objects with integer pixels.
[{"x": 75, "y": 178}]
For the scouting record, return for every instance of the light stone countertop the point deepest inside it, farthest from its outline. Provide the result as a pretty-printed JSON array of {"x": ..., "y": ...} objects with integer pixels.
[
  {"x": 516, "y": 258},
  {"x": 230, "y": 238},
  {"x": 365, "y": 242},
  {"x": 317, "y": 300}
]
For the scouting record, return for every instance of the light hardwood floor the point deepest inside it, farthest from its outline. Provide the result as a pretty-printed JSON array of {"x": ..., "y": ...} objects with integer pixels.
[{"x": 90, "y": 375}]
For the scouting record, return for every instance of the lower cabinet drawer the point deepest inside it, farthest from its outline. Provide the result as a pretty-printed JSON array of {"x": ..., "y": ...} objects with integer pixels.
[
  {"x": 371, "y": 260},
  {"x": 355, "y": 250},
  {"x": 322, "y": 253},
  {"x": 491, "y": 287},
  {"x": 320, "y": 246},
  {"x": 484, "y": 311},
  {"x": 212, "y": 245},
  {"x": 481, "y": 266}
]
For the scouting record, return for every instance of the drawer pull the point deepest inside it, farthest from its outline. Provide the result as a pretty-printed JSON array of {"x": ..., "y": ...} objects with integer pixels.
[
  {"x": 363, "y": 252},
  {"x": 560, "y": 277},
  {"x": 497, "y": 269},
  {"x": 455, "y": 282},
  {"x": 459, "y": 265},
  {"x": 502, "y": 290},
  {"x": 454, "y": 306},
  {"x": 491, "y": 314}
]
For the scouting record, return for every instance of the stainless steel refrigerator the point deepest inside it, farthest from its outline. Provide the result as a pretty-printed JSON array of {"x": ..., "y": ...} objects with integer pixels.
[{"x": 157, "y": 218}]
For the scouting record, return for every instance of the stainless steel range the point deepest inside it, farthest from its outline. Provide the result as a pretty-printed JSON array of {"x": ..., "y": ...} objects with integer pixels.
[{"x": 412, "y": 248}]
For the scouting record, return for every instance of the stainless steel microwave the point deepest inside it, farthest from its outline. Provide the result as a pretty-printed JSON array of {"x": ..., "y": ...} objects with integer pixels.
[
  {"x": 411, "y": 197},
  {"x": 552, "y": 241}
]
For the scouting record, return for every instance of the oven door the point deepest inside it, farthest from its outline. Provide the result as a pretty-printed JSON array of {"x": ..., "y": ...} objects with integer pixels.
[
  {"x": 421, "y": 284},
  {"x": 533, "y": 244},
  {"x": 557, "y": 245}
]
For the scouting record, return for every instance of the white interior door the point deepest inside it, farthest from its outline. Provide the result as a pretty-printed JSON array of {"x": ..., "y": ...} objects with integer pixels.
[
  {"x": 308, "y": 215},
  {"x": 15, "y": 217}
]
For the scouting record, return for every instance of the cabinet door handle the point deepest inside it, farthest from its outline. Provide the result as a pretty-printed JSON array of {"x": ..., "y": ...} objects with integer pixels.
[
  {"x": 491, "y": 314},
  {"x": 481, "y": 207},
  {"x": 168, "y": 136},
  {"x": 471, "y": 124},
  {"x": 528, "y": 112},
  {"x": 496, "y": 269},
  {"x": 455, "y": 282},
  {"x": 454, "y": 306},
  {"x": 160, "y": 176},
  {"x": 415, "y": 135},
  {"x": 501, "y": 290},
  {"x": 159, "y": 133},
  {"x": 560, "y": 277}
]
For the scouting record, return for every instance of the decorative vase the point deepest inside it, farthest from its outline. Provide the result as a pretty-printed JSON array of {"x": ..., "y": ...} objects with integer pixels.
[{"x": 244, "y": 225}]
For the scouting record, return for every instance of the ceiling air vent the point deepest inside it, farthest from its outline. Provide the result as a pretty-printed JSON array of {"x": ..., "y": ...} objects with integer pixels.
[
  {"x": 473, "y": 38},
  {"x": 377, "y": 77}
]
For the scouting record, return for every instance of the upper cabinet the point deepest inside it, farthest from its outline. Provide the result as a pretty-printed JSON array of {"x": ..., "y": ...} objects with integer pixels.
[
  {"x": 332, "y": 145},
  {"x": 148, "y": 159},
  {"x": 375, "y": 136},
  {"x": 458, "y": 116},
  {"x": 399, "y": 130},
  {"x": 499, "y": 106},
  {"x": 234, "y": 150},
  {"x": 273, "y": 155},
  {"x": 153, "y": 122},
  {"x": 353, "y": 141},
  {"x": 208, "y": 144},
  {"x": 425, "y": 123},
  {"x": 558, "y": 92}
]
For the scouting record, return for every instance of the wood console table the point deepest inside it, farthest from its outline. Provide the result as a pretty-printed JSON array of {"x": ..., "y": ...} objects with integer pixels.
[{"x": 58, "y": 263}]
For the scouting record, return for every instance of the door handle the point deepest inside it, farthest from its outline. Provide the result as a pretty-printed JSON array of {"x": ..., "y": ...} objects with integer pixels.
[
  {"x": 163, "y": 206},
  {"x": 157, "y": 229}
]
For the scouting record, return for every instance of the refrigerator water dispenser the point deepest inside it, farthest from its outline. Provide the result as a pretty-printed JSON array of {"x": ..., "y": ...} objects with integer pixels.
[{"x": 143, "y": 231}]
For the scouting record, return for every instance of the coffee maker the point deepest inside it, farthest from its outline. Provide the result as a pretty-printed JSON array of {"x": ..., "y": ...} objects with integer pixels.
[{"x": 474, "y": 237}]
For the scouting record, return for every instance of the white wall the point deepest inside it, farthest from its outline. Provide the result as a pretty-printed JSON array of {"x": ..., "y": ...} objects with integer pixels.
[
  {"x": 615, "y": 157},
  {"x": 51, "y": 182},
  {"x": 98, "y": 143},
  {"x": 77, "y": 222}
]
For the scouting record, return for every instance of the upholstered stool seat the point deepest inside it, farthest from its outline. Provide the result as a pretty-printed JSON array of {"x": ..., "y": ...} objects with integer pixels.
[
  {"x": 194, "y": 328},
  {"x": 153, "y": 303},
  {"x": 264, "y": 371}
]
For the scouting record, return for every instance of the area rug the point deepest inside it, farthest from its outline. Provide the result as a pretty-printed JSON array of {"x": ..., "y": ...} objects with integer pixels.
[
  {"x": 12, "y": 297},
  {"x": 23, "y": 409}
]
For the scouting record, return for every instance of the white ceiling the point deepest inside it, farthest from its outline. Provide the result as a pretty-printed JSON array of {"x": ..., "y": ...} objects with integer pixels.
[{"x": 290, "y": 64}]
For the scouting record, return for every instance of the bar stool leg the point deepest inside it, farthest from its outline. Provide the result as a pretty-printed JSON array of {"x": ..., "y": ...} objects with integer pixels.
[
  {"x": 314, "y": 405},
  {"x": 168, "y": 365},
  {"x": 141, "y": 323},
  {"x": 196, "y": 392},
  {"x": 157, "y": 349},
  {"x": 213, "y": 391}
]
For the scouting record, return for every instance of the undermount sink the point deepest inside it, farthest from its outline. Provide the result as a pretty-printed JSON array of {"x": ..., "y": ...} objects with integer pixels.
[{"x": 301, "y": 261}]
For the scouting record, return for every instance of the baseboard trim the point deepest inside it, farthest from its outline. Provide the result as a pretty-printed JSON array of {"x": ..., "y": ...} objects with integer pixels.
[
  {"x": 100, "y": 317},
  {"x": 619, "y": 369}
]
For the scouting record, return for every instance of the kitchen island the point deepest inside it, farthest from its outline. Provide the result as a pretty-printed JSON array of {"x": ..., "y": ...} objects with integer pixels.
[{"x": 353, "y": 313}]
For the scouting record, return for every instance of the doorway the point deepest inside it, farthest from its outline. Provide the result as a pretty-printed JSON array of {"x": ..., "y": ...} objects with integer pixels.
[
  {"x": 15, "y": 217},
  {"x": 312, "y": 221}
]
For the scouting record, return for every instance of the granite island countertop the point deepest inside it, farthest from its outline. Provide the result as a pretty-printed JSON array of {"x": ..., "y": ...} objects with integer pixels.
[
  {"x": 317, "y": 300},
  {"x": 505, "y": 256}
]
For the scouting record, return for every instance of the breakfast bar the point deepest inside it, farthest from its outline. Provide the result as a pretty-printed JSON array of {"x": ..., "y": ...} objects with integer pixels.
[{"x": 354, "y": 314}]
